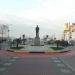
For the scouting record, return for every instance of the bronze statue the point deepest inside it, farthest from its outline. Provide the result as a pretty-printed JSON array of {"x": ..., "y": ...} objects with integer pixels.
[
  {"x": 37, "y": 31},
  {"x": 37, "y": 38}
]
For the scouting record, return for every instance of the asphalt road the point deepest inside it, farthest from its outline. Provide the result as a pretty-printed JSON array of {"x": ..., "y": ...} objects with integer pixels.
[
  {"x": 70, "y": 61},
  {"x": 35, "y": 65}
]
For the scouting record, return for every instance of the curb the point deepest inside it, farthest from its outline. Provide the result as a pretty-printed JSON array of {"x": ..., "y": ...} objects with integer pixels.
[
  {"x": 64, "y": 51},
  {"x": 42, "y": 52},
  {"x": 10, "y": 50}
]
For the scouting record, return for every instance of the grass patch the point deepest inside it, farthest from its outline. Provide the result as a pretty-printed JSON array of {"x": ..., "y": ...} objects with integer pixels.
[
  {"x": 17, "y": 48},
  {"x": 55, "y": 48}
]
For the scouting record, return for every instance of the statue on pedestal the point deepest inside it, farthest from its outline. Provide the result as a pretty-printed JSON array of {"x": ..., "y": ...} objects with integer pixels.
[
  {"x": 37, "y": 31},
  {"x": 37, "y": 38}
]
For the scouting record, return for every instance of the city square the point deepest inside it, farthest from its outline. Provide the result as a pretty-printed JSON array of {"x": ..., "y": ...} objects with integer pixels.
[{"x": 37, "y": 37}]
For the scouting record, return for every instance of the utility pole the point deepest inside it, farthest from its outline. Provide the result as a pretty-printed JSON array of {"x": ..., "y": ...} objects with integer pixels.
[{"x": 2, "y": 32}]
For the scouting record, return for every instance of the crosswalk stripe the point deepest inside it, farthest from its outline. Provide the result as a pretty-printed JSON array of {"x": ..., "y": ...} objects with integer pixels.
[
  {"x": 2, "y": 69},
  {"x": 65, "y": 71}
]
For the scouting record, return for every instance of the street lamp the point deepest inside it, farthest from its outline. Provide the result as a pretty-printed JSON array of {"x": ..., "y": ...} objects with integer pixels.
[{"x": 8, "y": 40}]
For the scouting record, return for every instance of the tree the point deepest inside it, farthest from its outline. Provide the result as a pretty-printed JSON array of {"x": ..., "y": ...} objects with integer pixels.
[
  {"x": 18, "y": 41},
  {"x": 64, "y": 43},
  {"x": 4, "y": 30},
  {"x": 58, "y": 43},
  {"x": 23, "y": 39}
]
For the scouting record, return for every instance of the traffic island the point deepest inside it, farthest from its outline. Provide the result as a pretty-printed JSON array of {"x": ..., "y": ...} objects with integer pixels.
[
  {"x": 38, "y": 52},
  {"x": 54, "y": 50}
]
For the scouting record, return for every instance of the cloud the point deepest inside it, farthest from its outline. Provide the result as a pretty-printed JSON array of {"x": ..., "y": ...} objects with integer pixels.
[{"x": 50, "y": 15}]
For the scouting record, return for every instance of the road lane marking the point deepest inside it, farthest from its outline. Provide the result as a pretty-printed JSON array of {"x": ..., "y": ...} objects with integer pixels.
[
  {"x": 54, "y": 58},
  {"x": 69, "y": 66},
  {"x": 15, "y": 57},
  {"x": 12, "y": 60},
  {"x": 65, "y": 71},
  {"x": 60, "y": 65},
  {"x": 2, "y": 69},
  {"x": 57, "y": 61},
  {"x": 7, "y": 64}
]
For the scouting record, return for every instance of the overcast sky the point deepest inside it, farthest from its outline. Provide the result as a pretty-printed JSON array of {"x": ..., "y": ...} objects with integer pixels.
[{"x": 22, "y": 16}]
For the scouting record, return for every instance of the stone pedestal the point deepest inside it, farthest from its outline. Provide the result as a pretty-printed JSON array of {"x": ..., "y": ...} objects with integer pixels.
[{"x": 37, "y": 41}]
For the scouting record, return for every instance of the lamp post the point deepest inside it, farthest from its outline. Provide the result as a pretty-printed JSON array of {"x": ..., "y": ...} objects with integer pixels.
[
  {"x": 8, "y": 36},
  {"x": 8, "y": 39},
  {"x": 2, "y": 35}
]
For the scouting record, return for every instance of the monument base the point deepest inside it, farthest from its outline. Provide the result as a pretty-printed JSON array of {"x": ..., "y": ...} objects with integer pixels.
[{"x": 37, "y": 41}]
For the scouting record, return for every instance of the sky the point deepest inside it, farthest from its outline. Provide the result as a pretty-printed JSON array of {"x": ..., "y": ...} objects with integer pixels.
[{"x": 22, "y": 16}]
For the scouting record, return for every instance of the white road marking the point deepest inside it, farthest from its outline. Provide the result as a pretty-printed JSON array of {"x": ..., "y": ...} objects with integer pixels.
[
  {"x": 60, "y": 65},
  {"x": 7, "y": 64},
  {"x": 12, "y": 60},
  {"x": 54, "y": 58},
  {"x": 69, "y": 66},
  {"x": 15, "y": 57},
  {"x": 2, "y": 69},
  {"x": 65, "y": 71},
  {"x": 57, "y": 61}
]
